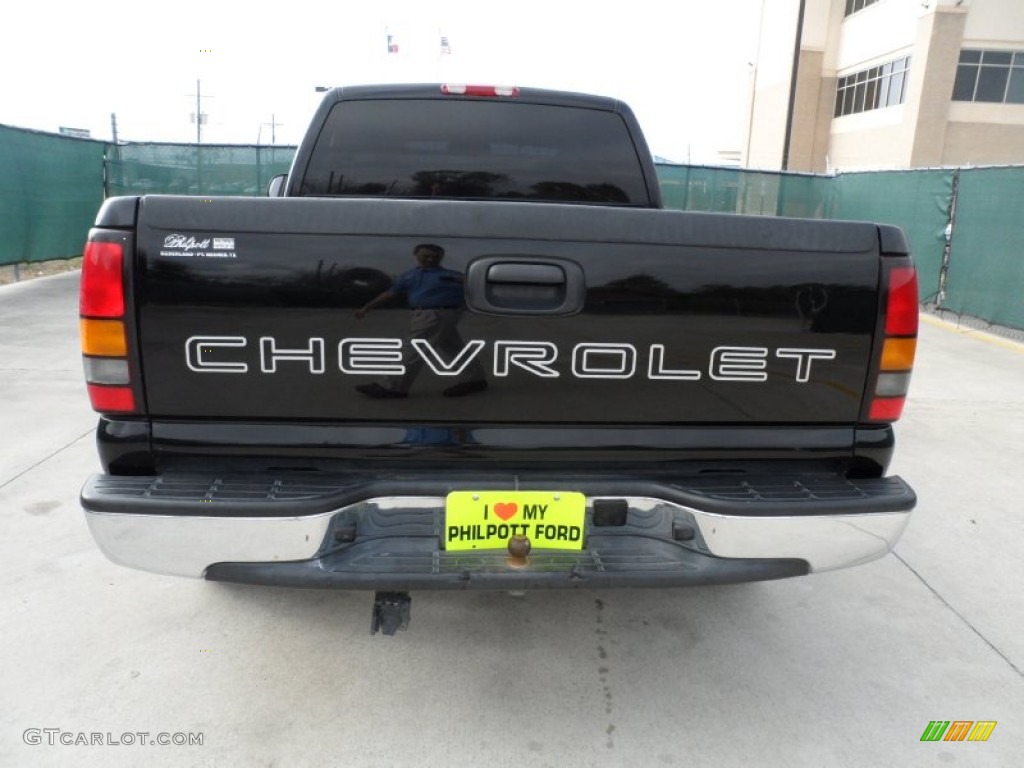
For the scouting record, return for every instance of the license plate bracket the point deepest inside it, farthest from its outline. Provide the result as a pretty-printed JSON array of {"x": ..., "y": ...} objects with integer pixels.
[{"x": 481, "y": 520}]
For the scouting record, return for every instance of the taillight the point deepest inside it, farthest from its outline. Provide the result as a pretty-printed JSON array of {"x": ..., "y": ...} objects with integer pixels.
[
  {"x": 889, "y": 390},
  {"x": 102, "y": 325},
  {"x": 480, "y": 90},
  {"x": 102, "y": 292},
  {"x": 902, "y": 311}
]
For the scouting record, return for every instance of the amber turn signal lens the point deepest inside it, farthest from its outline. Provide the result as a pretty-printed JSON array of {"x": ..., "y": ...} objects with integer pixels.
[
  {"x": 103, "y": 338},
  {"x": 898, "y": 354}
]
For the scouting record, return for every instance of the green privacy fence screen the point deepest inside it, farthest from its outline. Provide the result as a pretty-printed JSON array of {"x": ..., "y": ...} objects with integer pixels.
[
  {"x": 986, "y": 271},
  {"x": 187, "y": 169},
  {"x": 51, "y": 187},
  {"x": 733, "y": 190},
  {"x": 917, "y": 201}
]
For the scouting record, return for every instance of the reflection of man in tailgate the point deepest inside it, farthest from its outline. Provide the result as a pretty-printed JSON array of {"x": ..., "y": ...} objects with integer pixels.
[{"x": 436, "y": 297}]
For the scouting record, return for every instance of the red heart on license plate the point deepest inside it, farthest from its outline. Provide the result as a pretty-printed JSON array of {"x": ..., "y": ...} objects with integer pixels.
[{"x": 505, "y": 511}]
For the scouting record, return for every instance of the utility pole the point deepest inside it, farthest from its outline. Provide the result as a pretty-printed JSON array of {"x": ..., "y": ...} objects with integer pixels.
[
  {"x": 273, "y": 129},
  {"x": 273, "y": 141},
  {"x": 198, "y": 115},
  {"x": 200, "y": 118},
  {"x": 114, "y": 159}
]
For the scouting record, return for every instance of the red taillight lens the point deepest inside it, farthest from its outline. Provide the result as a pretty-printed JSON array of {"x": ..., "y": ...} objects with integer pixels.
[
  {"x": 107, "y": 399},
  {"x": 887, "y": 408},
  {"x": 901, "y": 314},
  {"x": 102, "y": 289}
]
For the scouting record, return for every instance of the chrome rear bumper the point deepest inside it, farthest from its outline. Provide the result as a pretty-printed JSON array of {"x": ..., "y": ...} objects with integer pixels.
[{"x": 316, "y": 535}]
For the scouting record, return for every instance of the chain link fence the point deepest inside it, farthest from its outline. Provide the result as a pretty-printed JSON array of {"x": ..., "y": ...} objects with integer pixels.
[
  {"x": 962, "y": 225},
  {"x": 188, "y": 169}
]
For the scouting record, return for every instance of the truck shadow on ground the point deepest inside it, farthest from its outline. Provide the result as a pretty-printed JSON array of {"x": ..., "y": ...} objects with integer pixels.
[{"x": 495, "y": 617}]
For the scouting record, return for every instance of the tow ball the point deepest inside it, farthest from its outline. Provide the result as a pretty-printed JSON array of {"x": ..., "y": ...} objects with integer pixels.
[{"x": 391, "y": 612}]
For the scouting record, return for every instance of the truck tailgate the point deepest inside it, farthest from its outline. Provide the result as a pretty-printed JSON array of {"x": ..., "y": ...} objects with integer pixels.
[{"x": 247, "y": 312}]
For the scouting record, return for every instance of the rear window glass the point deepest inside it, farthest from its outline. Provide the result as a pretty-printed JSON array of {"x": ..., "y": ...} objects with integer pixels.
[{"x": 475, "y": 149}]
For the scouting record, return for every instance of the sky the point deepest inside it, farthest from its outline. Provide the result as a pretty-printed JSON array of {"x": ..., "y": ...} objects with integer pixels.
[{"x": 684, "y": 66}]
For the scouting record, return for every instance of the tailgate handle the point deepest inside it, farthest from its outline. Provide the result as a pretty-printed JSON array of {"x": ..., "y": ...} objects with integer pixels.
[
  {"x": 540, "y": 274},
  {"x": 525, "y": 285}
]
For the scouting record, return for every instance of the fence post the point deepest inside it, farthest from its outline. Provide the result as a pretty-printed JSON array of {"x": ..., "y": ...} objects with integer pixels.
[
  {"x": 947, "y": 248},
  {"x": 780, "y": 201}
]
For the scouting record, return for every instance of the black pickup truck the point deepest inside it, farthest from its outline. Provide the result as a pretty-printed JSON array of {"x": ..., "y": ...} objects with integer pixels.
[{"x": 459, "y": 346}]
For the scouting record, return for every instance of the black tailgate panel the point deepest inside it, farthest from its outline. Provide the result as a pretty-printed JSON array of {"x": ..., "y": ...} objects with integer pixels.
[{"x": 248, "y": 312}]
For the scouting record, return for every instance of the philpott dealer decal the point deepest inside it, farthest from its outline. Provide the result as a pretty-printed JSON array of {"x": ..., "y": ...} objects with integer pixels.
[{"x": 190, "y": 246}]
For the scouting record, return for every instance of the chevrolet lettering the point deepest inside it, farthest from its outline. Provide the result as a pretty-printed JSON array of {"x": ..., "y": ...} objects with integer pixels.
[{"x": 383, "y": 357}]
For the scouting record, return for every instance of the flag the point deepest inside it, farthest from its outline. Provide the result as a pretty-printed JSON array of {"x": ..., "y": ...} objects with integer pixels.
[
  {"x": 392, "y": 45},
  {"x": 446, "y": 49}
]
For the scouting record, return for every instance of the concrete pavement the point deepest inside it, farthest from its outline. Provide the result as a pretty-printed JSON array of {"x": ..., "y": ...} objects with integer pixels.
[{"x": 836, "y": 669}]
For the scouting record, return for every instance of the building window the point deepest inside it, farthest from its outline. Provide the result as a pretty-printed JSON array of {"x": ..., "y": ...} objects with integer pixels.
[
  {"x": 852, "y": 6},
  {"x": 873, "y": 88},
  {"x": 996, "y": 77}
]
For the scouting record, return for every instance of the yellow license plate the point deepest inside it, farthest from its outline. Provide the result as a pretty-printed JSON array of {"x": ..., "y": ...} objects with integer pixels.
[{"x": 488, "y": 519}]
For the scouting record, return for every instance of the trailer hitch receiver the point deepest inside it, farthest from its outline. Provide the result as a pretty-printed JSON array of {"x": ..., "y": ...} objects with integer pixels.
[{"x": 391, "y": 612}]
